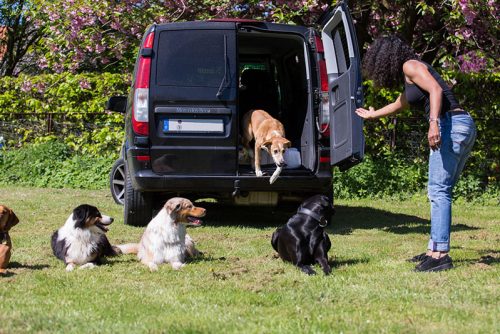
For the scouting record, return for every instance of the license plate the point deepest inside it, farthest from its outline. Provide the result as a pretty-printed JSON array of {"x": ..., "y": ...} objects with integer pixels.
[{"x": 193, "y": 125}]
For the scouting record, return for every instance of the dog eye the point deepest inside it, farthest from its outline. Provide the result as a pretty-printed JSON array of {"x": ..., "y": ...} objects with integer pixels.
[{"x": 275, "y": 151}]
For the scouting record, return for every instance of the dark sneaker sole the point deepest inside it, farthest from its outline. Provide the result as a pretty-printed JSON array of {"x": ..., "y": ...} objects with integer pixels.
[{"x": 442, "y": 267}]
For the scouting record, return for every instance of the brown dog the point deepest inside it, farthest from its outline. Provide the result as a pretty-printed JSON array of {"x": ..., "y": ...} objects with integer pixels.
[
  {"x": 269, "y": 135},
  {"x": 7, "y": 219}
]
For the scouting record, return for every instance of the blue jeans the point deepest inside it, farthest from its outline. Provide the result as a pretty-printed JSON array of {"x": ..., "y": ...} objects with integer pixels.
[{"x": 458, "y": 133}]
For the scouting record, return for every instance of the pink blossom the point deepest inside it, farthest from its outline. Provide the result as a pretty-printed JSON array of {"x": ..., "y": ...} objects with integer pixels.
[
  {"x": 26, "y": 86},
  {"x": 42, "y": 63},
  {"x": 84, "y": 84}
]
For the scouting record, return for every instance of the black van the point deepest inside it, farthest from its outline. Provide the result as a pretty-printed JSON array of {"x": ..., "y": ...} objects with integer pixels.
[{"x": 192, "y": 83}]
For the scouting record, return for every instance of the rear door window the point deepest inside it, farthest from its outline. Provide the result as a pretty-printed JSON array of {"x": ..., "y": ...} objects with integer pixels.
[{"x": 193, "y": 58}]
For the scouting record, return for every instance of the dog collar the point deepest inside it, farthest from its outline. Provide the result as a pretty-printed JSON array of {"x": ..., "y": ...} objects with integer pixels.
[
  {"x": 3, "y": 238},
  {"x": 322, "y": 220}
]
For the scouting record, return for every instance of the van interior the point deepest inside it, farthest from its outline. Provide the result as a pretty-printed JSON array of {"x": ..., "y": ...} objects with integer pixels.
[{"x": 274, "y": 77}]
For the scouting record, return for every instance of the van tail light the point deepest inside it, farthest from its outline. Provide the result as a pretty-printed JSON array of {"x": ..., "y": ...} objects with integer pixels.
[
  {"x": 324, "y": 112},
  {"x": 140, "y": 107}
]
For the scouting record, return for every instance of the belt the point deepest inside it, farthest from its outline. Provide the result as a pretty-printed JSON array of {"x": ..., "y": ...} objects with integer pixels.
[{"x": 457, "y": 112}]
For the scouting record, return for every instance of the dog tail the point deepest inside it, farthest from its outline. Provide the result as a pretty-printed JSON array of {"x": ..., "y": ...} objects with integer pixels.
[{"x": 129, "y": 248}]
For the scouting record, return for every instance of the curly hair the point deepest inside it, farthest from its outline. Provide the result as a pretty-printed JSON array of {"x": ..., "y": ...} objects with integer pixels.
[{"x": 384, "y": 59}]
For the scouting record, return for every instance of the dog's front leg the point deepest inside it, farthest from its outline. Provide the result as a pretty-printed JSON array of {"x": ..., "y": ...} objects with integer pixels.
[
  {"x": 87, "y": 265},
  {"x": 70, "y": 266},
  {"x": 151, "y": 265},
  {"x": 323, "y": 262},
  {"x": 258, "y": 171},
  {"x": 307, "y": 269},
  {"x": 177, "y": 265}
]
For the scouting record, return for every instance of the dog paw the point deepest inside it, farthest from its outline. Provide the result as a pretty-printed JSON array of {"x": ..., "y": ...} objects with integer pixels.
[
  {"x": 152, "y": 266},
  {"x": 87, "y": 266},
  {"x": 70, "y": 267},
  {"x": 307, "y": 269},
  {"x": 177, "y": 265},
  {"x": 259, "y": 173}
]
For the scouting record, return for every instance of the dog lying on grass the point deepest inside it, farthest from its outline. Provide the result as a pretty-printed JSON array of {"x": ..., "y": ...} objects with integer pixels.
[
  {"x": 303, "y": 240},
  {"x": 82, "y": 240},
  {"x": 165, "y": 238}
]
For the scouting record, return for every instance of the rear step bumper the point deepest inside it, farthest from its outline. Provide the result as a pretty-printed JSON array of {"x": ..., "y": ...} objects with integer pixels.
[{"x": 147, "y": 180}]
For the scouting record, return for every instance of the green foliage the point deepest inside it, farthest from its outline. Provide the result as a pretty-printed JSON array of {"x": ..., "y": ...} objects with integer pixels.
[
  {"x": 72, "y": 106},
  {"x": 52, "y": 164},
  {"x": 404, "y": 137},
  {"x": 385, "y": 177}
]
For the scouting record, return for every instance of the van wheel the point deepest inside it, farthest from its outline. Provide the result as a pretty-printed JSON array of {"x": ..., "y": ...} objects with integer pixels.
[
  {"x": 117, "y": 181},
  {"x": 138, "y": 209}
]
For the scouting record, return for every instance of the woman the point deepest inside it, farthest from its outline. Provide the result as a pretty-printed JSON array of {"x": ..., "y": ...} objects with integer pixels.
[{"x": 390, "y": 62}]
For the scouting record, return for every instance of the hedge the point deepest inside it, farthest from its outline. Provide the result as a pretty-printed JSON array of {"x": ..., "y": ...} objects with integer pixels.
[{"x": 70, "y": 108}]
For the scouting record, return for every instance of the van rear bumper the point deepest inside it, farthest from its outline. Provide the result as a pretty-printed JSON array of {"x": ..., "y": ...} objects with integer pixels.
[{"x": 148, "y": 181}]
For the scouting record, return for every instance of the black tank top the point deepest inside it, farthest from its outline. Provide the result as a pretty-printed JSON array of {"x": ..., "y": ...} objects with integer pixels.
[{"x": 419, "y": 98}]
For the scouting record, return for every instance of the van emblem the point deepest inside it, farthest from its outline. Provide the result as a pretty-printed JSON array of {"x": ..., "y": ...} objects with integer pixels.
[{"x": 192, "y": 110}]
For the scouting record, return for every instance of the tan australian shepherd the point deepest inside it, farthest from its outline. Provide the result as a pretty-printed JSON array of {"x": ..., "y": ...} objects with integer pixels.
[
  {"x": 269, "y": 135},
  {"x": 165, "y": 238}
]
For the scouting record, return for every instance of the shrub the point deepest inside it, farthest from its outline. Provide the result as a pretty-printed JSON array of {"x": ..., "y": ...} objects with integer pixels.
[
  {"x": 69, "y": 107},
  {"x": 54, "y": 165}
]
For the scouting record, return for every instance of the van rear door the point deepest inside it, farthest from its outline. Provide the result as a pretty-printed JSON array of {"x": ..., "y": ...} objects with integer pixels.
[
  {"x": 345, "y": 87},
  {"x": 194, "y": 75}
]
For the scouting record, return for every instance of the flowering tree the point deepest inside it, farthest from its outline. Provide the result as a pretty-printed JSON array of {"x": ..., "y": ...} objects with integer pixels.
[
  {"x": 456, "y": 34},
  {"x": 18, "y": 34},
  {"x": 88, "y": 35}
]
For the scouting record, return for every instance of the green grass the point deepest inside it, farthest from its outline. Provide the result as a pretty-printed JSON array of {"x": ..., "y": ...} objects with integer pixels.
[{"x": 240, "y": 287}]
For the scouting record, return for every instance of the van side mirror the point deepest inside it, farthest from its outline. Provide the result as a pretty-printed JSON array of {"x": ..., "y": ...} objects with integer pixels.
[{"x": 117, "y": 103}]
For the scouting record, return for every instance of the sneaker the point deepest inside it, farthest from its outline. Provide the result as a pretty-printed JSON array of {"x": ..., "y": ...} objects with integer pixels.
[
  {"x": 432, "y": 264},
  {"x": 419, "y": 258}
]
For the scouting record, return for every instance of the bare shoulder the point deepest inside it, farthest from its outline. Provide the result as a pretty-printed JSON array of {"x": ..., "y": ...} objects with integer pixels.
[{"x": 412, "y": 67}]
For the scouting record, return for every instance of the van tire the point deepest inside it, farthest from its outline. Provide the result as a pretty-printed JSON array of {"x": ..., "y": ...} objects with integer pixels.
[
  {"x": 138, "y": 209},
  {"x": 117, "y": 181}
]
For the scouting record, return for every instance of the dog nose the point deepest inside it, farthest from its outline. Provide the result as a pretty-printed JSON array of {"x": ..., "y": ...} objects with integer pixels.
[
  {"x": 111, "y": 219},
  {"x": 282, "y": 164}
]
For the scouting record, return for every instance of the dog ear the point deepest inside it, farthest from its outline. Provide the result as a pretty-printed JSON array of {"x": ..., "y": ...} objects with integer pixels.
[
  {"x": 173, "y": 206},
  {"x": 11, "y": 220},
  {"x": 80, "y": 215},
  {"x": 287, "y": 143},
  {"x": 266, "y": 146}
]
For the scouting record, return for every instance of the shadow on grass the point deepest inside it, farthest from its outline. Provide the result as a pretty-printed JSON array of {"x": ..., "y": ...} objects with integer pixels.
[
  {"x": 17, "y": 265},
  {"x": 344, "y": 222},
  {"x": 489, "y": 257},
  {"x": 334, "y": 263}
]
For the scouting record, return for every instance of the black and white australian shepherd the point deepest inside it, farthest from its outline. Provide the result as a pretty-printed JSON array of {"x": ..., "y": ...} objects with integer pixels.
[
  {"x": 165, "y": 239},
  {"x": 82, "y": 240}
]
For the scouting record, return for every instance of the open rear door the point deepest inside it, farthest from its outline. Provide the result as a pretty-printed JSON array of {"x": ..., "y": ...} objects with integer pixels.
[{"x": 345, "y": 87}]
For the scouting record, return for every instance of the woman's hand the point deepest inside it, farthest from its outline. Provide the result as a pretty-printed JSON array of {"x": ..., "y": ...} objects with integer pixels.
[
  {"x": 433, "y": 136},
  {"x": 364, "y": 113}
]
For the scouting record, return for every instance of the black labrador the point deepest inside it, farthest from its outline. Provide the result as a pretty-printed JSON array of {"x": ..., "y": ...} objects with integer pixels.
[{"x": 303, "y": 240}]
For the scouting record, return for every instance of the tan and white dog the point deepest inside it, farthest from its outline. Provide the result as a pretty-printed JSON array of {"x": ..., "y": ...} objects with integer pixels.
[
  {"x": 269, "y": 135},
  {"x": 165, "y": 238}
]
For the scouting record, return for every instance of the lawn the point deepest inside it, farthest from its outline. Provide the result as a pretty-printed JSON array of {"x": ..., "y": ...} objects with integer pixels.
[{"x": 238, "y": 286}]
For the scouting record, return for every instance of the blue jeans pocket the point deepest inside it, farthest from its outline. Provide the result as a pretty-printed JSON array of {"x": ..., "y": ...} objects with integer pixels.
[{"x": 460, "y": 141}]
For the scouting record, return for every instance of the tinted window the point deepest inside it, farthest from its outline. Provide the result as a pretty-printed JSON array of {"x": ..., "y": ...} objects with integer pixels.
[
  {"x": 193, "y": 58},
  {"x": 342, "y": 49}
]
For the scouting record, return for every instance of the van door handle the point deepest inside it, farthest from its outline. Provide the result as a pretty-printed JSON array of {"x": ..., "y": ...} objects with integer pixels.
[{"x": 334, "y": 96}]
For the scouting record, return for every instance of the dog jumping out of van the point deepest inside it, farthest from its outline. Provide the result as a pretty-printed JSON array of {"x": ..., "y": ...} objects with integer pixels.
[{"x": 269, "y": 135}]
